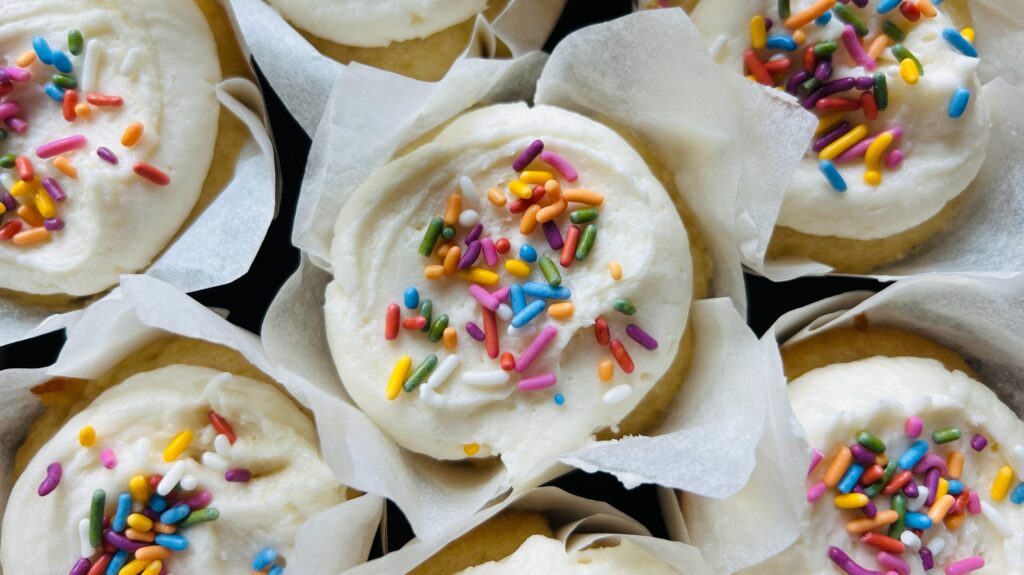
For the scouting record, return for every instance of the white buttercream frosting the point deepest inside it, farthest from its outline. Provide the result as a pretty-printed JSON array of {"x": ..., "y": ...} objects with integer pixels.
[
  {"x": 375, "y": 259},
  {"x": 942, "y": 155},
  {"x": 115, "y": 221},
  {"x": 878, "y": 394},
  {"x": 376, "y": 23},
  {"x": 276, "y": 441},
  {"x": 540, "y": 554}
]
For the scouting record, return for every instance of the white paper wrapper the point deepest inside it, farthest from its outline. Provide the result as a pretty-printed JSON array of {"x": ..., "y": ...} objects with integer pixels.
[
  {"x": 977, "y": 316},
  {"x": 138, "y": 311},
  {"x": 220, "y": 245},
  {"x": 303, "y": 77},
  {"x": 372, "y": 114},
  {"x": 578, "y": 522}
]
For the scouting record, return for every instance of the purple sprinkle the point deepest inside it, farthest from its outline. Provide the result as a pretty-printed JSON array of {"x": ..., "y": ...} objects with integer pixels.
[
  {"x": 931, "y": 481},
  {"x": 54, "y": 224},
  {"x": 642, "y": 337},
  {"x": 978, "y": 442},
  {"x": 54, "y": 472},
  {"x": 151, "y": 514},
  {"x": 892, "y": 562},
  {"x": 839, "y": 131},
  {"x": 529, "y": 154},
  {"x": 844, "y": 562},
  {"x": 105, "y": 154},
  {"x": 81, "y": 567},
  {"x": 910, "y": 489},
  {"x": 823, "y": 69},
  {"x": 474, "y": 234},
  {"x": 5, "y": 76},
  {"x": 471, "y": 255},
  {"x": 833, "y": 87},
  {"x": 123, "y": 543},
  {"x": 869, "y": 510},
  {"x": 768, "y": 24},
  {"x": 199, "y": 500},
  {"x": 927, "y": 561},
  {"x": 861, "y": 3},
  {"x": 863, "y": 455},
  {"x": 552, "y": 233},
  {"x": 793, "y": 85},
  {"x": 9, "y": 202},
  {"x": 53, "y": 188},
  {"x": 931, "y": 461},
  {"x": 17, "y": 125},
  {"x": 864, "y": 83},
  {"x": 474, "y": 331},
  {"x": 238, "y": 475}
]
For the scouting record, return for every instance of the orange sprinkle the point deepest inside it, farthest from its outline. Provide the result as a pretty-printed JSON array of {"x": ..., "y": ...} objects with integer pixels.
[
  {"x": 799, "y": 37},
  {"x": 938, "y": 511},
  {"x": 471, "y": 449},
  {"x": 83, "y": 110},
  {"x": 164, "y": 528},
  {"x": 132, "y": 134},
  {"x": 616, "y": 270},
  {"x": 32, "y": 236},
  {"x": 804, "y": 17},
  {"x": 152, "y": 553},
  {"x": 497, "y": 198},
  {"x": 442, "y": 250},
  {"x": 926, "y": 8},
  {"x": 452, "y": 211},
  {"x": 859, "y": 526},
  {"x": 605, "y": 370},
  {"x": 451, "y": 261},
  {"x": 953, "y": 522},
  {"x": 24, "y": 167},
  {"x": 955, "y": 463},
  {"x": 529, "y": 221},
  {"x": 30, "y": 215},
  {"x": 878, "y": 45},
  {"x": 587, "y": 197},
  {"x": 136, "y": 535},
  {"x": 65, "y": 166},
  {"x": 840, "y": 463},
  {"x": 450, "y": 339},
  {"x": 433, "y": 272},
  {"x": 551, "y": 212},
  {"x": 882, "y": 459},
  {"x": 562, "y": 310},
  {"x": 26, "y": 59},
  {"x": 553, "y": 188}
]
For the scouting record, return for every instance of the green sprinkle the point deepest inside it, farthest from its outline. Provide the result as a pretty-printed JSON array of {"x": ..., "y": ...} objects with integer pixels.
[
  {"x": 783, "y": 9},
  {"x": 419, "y": 375},
  {"x": 876, "y": 487},
  {"x": 65, "y": 81},
  {"x": 902, "y": 53},
  {"x": 430, "y": 237},
  {"x": 437, "y": 328},
  {"x": 99, "y": 501},
  {"x": 550, "y": 271},
  {"x": 899, "y": 505},
  {"x": 624, "y": 306},
  {"x": 583, "y": 216},
  {"x": 870, "y": 441},
  {"x": 448, "y": 232},
  {"x": 426, "y": 310},
  {"x": 811, "y": 85},
  {"x": 850, "y": 17},
  {"x": 946, "y": 434},
  {"x": 586, "y": 242},
  {"x": 75, "y": 42},
  {"x": 893, "y": 31},
  {"x": 826, "y": 48},
  {"x": 3, "y": 134},
  {"x": 881, "y": 91},
  {"x": 199, "y": 516},
  {"x": 7, "y": 161}
]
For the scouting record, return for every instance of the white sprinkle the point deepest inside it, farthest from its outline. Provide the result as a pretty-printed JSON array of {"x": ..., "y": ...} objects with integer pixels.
[
  {"x": 208, "y": 434},
  {"x": 443, "y": 371},
  {"x": 142, "y": 447},
  {"x": 1018, "y": 460},
  {"x": 132, "y": 63},
  {"x": 912, "y": 541},
  {"x": 505, "y": 312},
  {"x": 83, "y": 538},
  {"x": 171, "y": 478},
  {"x": 716, "y": 47},
  {"x": 223, "y": 446},
  {"x": 189, "y": 482},
  {"x": 211, "y": 459},
  {"x": 916, "y": 503},
  {"x": 468, "y": 218},
  {"x": 936, "y": 545},
  {"x": 431, "y": 398},
  {"x": 7, "y": 180},
  {"x": 90, "y": 66},
  {"x": 492, "y": 377},
  {"x": 468, "y": 187},
  {"x": 617, "y": 394},
  {"x": 996, "y": 519}
]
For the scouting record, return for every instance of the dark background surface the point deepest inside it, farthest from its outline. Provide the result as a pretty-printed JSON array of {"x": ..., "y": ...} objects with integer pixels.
[{"x": 249, "y": 296}]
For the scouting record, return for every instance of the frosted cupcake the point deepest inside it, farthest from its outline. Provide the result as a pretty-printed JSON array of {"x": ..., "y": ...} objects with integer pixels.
[
  {"x": 521, "y": 270},
  {"x": 165, "y": 464},
  {"x": 112, "y": 136}
]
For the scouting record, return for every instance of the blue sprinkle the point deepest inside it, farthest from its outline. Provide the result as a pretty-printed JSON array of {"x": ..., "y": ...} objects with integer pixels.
[
  {"x": 517, "y": 297},
  {"x": 527, "y": 253},
  {"x": 913, "y": 454},
  {"x": 958, "y": 103},
  {"x": 171, "y": 541},
  {"x": 117, "y": 562},
  {"x": 124, "y": 507},
  {"x": 1018, "y": 494},
  {"x": 62, "y": 62},
  {"x": 528, "y": 313},
  {"x": 918, "y": 521},
  {"x": 955, "y": 487},
  {"x": 546, "y": 291},
  {"x": 780, "y": 42},
  {"x": 158, "y": 503},
  {"x": 54, "y": 91},
  {"x": 886, "y": 6},
  {"x": 175, "y": 514},
  {"x": 276, "y": 570},
  {"x": 832, "y": 175},
  {"x": 265, "y": 557},
  {"x": 412, "y": 298},
  {"x": 850, "y": 478},
  {"x": 560, "y": 400},
  {"x": 957, "y": 40},
  {"x": 823, "y": 19},
  {"x": 42, "y": 50}
]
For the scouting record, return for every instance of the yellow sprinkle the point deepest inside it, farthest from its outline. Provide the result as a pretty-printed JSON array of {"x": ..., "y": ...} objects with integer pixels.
[
  {"x": 873, "y": 158},
  {"x": 942, "y": 489},
  {"x": 534, "y": 177},
  {"x": 969, "y": 34},
  {"x": 751, "y": 77},
  {"x": 29, "y": 237},
  {"x": 518, "y": 268},
  {"x": 44, "y": 205},
  {"x": 480, "y": 276},
  {"x": 520, "y": 189},
  {"x": 178, "y": 445},
  {"x": 844, "y": 143},
  {"x": 139, "y": 488},
  {"x": 154, "y": 567},
  {"x": 83, "y": 110},
  {"x": 140, "y": 522},
  {"x": 471, "y": 449},
  {"x": 3, "y": 209},
  {"x": 908, "y": 71},
  {"x": 23, "y": 188},
  {"x": 955, "y": 464},
  {"x": 398, "y": 375},
  {"x": 26, "y": 59},
  {"x": 605, "y": 370},
  {"x": 450, "y": 338},
  {"x": 134, "y": 567},
  {"x": 882, "y": 459},
  {"x": 851, "y": 500},
  {"x": 827, "y": 121},
  {"x": 497, "y": 198},
  {"x": 65, "y": 166},
  {"x": 1002, "y": 483},
  {"x": 616, "y": 270},
  {"x": 562, "y": 310},
  {"x": 926, "y": 8},
  {"x": 87, "y": 436},
  {"x": 433, "y": 272},
  {"x": 132, "y": 134},
  {"x": 758, "y": 33},
  {"x": 799, "y": 37}
]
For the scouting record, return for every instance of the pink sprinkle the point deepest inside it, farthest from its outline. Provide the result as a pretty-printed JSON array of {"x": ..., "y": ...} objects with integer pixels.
[
  {"x": 913, "y": 427},
  {"x": 559, "y": 163},
  {"x": 19, "y": 74},
  {"x": 894, "y": 159},
  {"x": 490, "y": 254},
  {"x": 890, "y": 561},
  {"x": 199, "y": 500},
  {"x": 816, "y": 457},
  {"x": 973, "y": 503},
  {"x": 861, "y": 148},
  {"x": 17, "y": 125},
  {"x": 61, "y": 146},
  {"x": 965, "y": 565},
  {"x": 815, "y": 492},
  {"x": 108, "y": 458},
  {"x": 536, "y": 347},
  {"x": 484, "y": 297},
  {"x": 8, "y": 109},
  {"x": 852, "y": 43},
  {"x": 538, "y": 382},
  {"x": 500, "y": 294}
]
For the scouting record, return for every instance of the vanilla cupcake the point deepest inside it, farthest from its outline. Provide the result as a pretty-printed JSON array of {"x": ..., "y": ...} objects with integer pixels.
[
  {"x": 903, "y": 123},
  {"x": 114, "y": 138},
  {"x": 417, "y": 38},
  {"x": 546, "y": 277},
  {"x": 182, "y": 458}
]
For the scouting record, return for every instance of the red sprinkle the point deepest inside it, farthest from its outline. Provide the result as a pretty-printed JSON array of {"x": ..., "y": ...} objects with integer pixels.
[
  {"x": 24, "y": 167},
  {"x": 508, "y": 362},
  {"x": 883, "y": 542},
  {"x": 502, "y": 246},
  {"x": 810, "y": 60},
  {"x": 519, "y": 206},
  {"x": 961, "y": 502},
  {"x": 221, "y": 425},
  {"x": 837, "y": 104},
  {"x": 100, "y": 566},
  {"x": 414, "y": 323},
  {"x": 152, "y": 174},
  {"x": 757, "y": 68},
  {"x": 391, "y": 324},
  {"x": 70, "y": 100},
  {"x": 104, "y": 100},
  {"x": 601, "y": 331},
  {"x": 777, "y": 66},
  {"x": 490, "y": 333},
  {"x": 869, "y": 105},
  {"x": 572, "y": 237},
  {"x": 622, "y": 356},
  {"x": 154, "y": 480},
  {"x": 910, "y": 11},
  {"x": 10, "y": 229},
  {"x": 872, "y": 474},
  {"x": 896, "y": 483}
]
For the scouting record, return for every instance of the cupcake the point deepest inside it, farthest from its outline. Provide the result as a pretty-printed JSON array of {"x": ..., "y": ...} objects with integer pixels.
[
  {"x": 113, "y": 137},
  {"x": 520, "y": 270},
  {"x": 183, "y": 458},
  {"x": 903, "y": 124},
  {"x": 916, "y": 464},
  {"x": 418, "y": 38}
]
